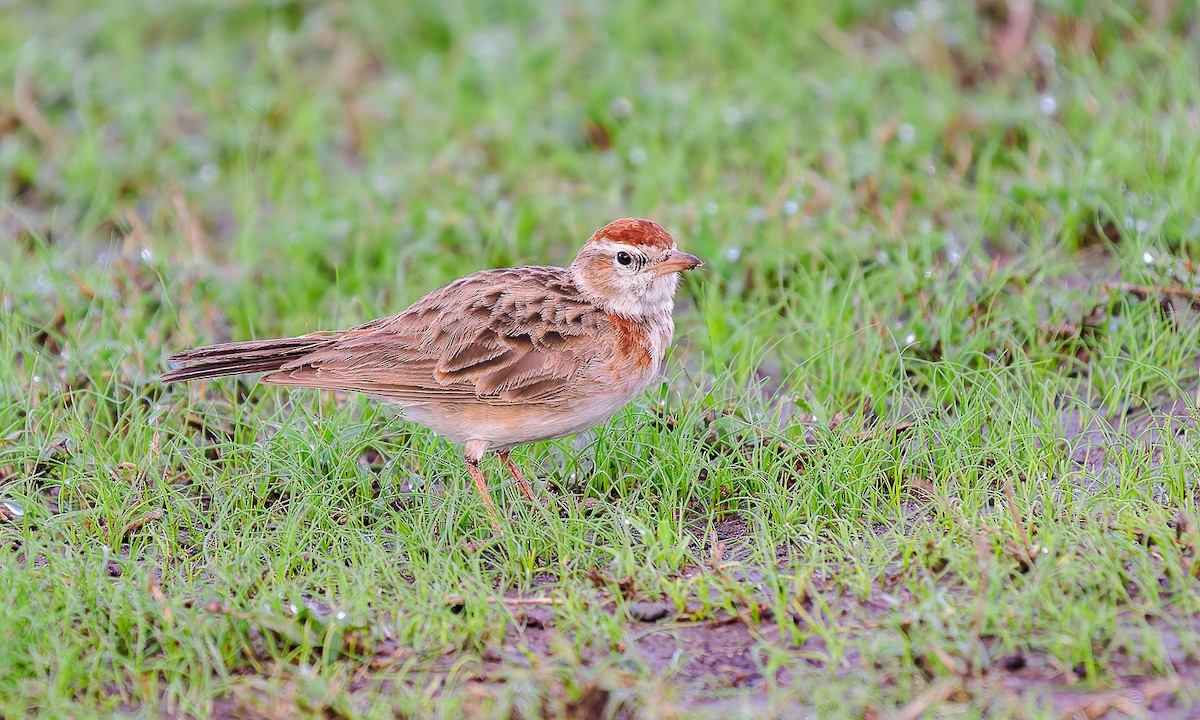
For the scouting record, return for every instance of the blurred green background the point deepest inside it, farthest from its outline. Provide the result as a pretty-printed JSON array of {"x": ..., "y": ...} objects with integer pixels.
[{"x": 970, "y": 222}]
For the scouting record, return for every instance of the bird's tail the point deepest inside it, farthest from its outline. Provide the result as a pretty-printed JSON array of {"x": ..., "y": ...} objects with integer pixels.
[{"x": 236, "y": 358}]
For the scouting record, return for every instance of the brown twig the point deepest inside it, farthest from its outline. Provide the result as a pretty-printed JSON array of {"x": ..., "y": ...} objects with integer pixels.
[
  {"x": 939, "y": 693},
  {"x": 1101, "y": 705},
  {"x": 138, "y": 237},
  {"x": 157, "y": 593},
  {"x": 1145, "y": 291},
  {"x": 717, "y": 555},
  {"x": 458, "y": 600},
  {"x": 893, "y": 431},
  {"x": 139, "y": 523},
  {"x": 1011, "y": 498},
  {"x": 723, "y": 621},
  {"x": 189, "y": 225},
  {"x": 26, "y": 109}
]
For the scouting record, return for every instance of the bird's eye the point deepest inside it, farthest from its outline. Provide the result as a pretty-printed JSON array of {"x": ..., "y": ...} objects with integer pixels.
[{"x": 624, "y": 258}]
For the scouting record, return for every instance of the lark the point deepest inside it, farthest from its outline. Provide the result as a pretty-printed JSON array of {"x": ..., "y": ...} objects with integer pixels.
[{"x": 499, "y": 358}]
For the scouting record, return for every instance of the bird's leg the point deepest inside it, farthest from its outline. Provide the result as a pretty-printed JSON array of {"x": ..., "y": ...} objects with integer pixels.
[
  {"x": 472, "y": 457},
  {"x": 513, "y": 470}
]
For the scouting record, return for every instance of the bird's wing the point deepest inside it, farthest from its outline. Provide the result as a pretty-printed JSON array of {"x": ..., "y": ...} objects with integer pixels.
[{"x": 497, "y": 336}]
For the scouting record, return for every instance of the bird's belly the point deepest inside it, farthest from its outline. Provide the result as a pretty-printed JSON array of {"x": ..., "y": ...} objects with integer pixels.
[{"x": 506, "y": 426}]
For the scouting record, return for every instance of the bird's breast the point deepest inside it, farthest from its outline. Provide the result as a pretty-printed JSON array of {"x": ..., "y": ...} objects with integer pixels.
[{"x": 639, "y": 348}]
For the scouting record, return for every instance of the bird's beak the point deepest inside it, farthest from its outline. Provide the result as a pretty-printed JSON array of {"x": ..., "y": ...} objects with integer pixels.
[{"x": 677, "y": 261}]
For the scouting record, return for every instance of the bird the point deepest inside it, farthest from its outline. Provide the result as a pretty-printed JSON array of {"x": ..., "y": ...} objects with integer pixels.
[{"x": 499, "y": 358}]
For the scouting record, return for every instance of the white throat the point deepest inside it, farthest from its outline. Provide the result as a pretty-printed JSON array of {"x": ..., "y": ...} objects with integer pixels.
[{"x": 655, "y": 300}]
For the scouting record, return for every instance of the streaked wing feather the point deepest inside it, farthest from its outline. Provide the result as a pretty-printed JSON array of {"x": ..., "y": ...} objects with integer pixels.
[{"x": 498, "y": 336}]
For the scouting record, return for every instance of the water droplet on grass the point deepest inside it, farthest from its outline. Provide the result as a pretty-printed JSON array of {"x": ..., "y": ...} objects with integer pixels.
[
  {"x": 277, "y": 41},
  {"x": 637, "y": 156},
  {"x": 905, "y": 21},
  {"x": 383, "y": 184},
  {"x": 1048, "y": 104},
  {"x": 209, "y": 173},
  {"x": 931, "y": 10},
  {"x": 906, "y": 133},
  {"x": 711, "y": 208},
  {"x": 1147, "y": 258},
  {"x": 733, "y": 254},
  {"x": 622, "y": 107},
  {"x": 791, "y": 207}
]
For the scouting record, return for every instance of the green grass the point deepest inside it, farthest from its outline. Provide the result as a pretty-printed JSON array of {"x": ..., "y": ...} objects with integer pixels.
[{"x": 913, "y": 450}]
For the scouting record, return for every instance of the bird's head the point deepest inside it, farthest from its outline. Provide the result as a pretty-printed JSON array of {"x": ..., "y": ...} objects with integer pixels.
[{"x": 630, "y": 267}]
